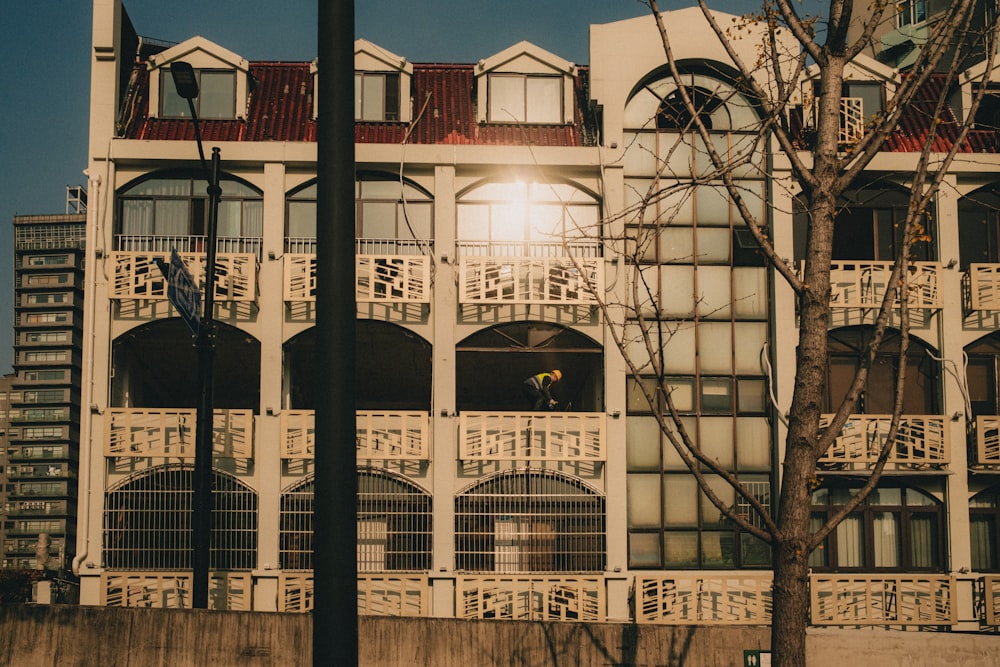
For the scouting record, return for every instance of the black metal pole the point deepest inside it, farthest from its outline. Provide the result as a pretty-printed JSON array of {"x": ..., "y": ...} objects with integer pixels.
[
  {"x": 335, "y": 618},
  {"x": 202, "y": 500}
]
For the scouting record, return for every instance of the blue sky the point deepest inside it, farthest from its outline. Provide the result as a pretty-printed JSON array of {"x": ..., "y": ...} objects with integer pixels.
[{"x": 45, "y": 83}]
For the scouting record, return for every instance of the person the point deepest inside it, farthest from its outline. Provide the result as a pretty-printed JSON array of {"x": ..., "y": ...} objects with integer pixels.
[{"x": 537, "y": 389}]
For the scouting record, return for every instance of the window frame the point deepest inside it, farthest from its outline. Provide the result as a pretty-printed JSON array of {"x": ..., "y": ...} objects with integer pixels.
[
  {"x": 173, "y": 106},
  {"x": 389, "y": 102},
  {"x": 499, "y": 112}
]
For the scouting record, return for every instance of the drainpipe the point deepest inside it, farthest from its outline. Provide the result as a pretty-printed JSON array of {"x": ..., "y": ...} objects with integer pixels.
[{"x": 86, "y": 395}]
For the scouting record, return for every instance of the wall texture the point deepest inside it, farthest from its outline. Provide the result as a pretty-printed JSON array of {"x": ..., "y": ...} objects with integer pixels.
[{"x": 70, "y": 636}]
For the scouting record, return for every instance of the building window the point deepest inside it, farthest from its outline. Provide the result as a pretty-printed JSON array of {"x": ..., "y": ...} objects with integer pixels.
[
  {"x": 42, "y": 279},
  {"x": 519, "y": 218},
  {"x": 984, "y": 512},
  {"x": 47, "y": 337},
  {"x": 529, "y": 521},
  {"x": 869, "y": 225},
  {"x": 41, "y": 299},
  {"x": 525, "y": 98},
  {"x": 979, "y": 227},
  {"x": 46, "y": 318},
  {"x": 47, "y": 260},
  {"x": 390, "y": 218},
  {"x": 921, "y": 394},
  {"x": 147, "y": 522},
  {"x": 376, "y": 96},
  {"x": 61, "y": 355},
  {"x": 161, "y": 214},
  {"x": 896, "y": 528},
  {"x": 216, "y": 96},
  {"x": 394, "y": 525},
  {"x": 910, "y": 12},
  {"x": 44, "y": 376}
]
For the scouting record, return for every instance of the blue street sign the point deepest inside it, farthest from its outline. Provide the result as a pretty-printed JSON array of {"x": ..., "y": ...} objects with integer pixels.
[{"x": 182, "y": 291}]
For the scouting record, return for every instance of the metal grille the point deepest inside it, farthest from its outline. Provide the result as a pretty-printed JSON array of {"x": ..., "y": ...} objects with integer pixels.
[
  {"x": 147, "y": 522},
  {"x": 394, "y": 524},
  {"x": 529, "y": 521}
]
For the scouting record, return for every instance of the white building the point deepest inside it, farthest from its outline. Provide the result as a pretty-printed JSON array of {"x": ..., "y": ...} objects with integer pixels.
[{"x": 489, "y": 196}]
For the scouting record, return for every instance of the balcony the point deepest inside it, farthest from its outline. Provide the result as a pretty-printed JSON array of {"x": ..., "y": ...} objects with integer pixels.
[
  {"x": 387, "y": 271},
  {"x": 381, "y": 435},
  {"x": 879, "y": 600},
  {"x": 141, "y": 433},
  {"x": 529, "y": 273},
  {"x": 532, "y": 597},
  {"x": 742, "y": 598},
  {"x": 532, "y": 436},
  {"x": 921, "y": 441},
  {"x": 378, "y": 594},
  {"x": 987, "y": 440},
  {"x": 862, "y": 284},
  {"x": 231, "y": 591},
  {"x": 981, "y": 288},
  {"x": 137, "y": 276}
]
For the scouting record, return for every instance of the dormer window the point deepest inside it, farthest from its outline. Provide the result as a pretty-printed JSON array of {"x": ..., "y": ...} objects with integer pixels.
[
  {"x": 216, "y": 96},
  {"x": 223, "y": 82},
  {"x": 525, "y": 98},
  {"x": 376, "y": 96},
  {"x": 910, "y": 12},
  {"x": 525, "y": 84}
]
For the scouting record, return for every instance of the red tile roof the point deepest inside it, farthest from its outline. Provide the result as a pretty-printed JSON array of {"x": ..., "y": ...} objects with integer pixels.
[{"x": 280, "y": 108}]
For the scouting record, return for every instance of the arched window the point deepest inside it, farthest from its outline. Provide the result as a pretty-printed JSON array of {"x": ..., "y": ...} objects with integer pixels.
[
  {"x": 984, "y": 523},
  {"x": 897, "y": 528},
  {"x": 394, "y": 524},
  {"x": 529, "y": 521},
  {"x": 147, "y": 522},
  {"x": 390, "y": 217},
  {"x": 921, "y": 395},
  {"x": 169, "y": 211},
  {"x": 502, "y": 218},
  {"x": 979, "y": 227}
]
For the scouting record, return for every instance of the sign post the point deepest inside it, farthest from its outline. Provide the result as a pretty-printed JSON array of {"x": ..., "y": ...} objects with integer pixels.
[{"x": 182, "y": 291}]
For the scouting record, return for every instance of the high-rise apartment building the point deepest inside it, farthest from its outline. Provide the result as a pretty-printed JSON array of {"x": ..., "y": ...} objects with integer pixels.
[
  {"x": 493, "y": 203},
  {"x": 43, "y": 411}
]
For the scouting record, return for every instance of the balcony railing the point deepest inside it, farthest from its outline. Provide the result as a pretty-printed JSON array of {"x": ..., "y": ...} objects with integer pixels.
[
  {"x": 981, "y": 287},
  {"x": 378, "y": 594},
  {"x": 530, "y": 280},
  {"x": 988, "y": 440},
  {"x": 402, "y": 436},
  {"x": 920, "y": 440},
  {"x": 532, "y": 436},
  {"x": 862, "y": 284},
  {"x": 688, "y": 599},
  {"x": 991, "y": 600},
  {"x": 145, "y": 243},
  {"x": 140, "y": 433},
  {"x": 532, "y": 598},
  {"x": 882, "y": 599},
  {"x": 137, "y": 276},
  {"x": 231, "y": 591},
  {"x": 379, "y": 278}
]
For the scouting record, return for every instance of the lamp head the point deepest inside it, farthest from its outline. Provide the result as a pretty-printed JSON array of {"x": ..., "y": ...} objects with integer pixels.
[{"x": 184, "y": 79}]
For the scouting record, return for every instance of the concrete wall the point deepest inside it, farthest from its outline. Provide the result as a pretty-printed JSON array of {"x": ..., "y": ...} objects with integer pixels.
[{"x": 69, "y": 636}]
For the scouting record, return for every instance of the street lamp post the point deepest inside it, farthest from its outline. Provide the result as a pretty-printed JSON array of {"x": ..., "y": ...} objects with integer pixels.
[{"x": 202, "y": 502}]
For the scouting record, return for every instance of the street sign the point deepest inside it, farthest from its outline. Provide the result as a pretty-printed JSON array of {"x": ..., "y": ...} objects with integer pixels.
[{"x": 182, "y": 291}]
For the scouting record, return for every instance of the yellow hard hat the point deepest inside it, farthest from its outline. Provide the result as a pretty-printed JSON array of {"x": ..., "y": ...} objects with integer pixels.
[{"x": 557, "y": 374}]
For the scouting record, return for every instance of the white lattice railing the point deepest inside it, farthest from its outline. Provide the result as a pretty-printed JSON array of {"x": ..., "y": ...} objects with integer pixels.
[
  {"x": 378, "y": 594},
  {"x": 981, "y": 285},
  {"x": 988, "y": 439},
  {"x": 380, "y": 435},
  {"x": 140, "y": 433},
  {"x": 231, "y": 591},
  {"x": 921, "y": 439},
  {"x": 380, "y": 278},
  {"x": 534, "y": 436},
  {"x": 688, "y": 599},
  {"x": 530, "y": 280},
  {"x": 862, "y": 284},
  {"x": 532, "y": 598},
  {"x": 136, "y": 275},
  {"x": 991, "y": 600},
  {"x": 904, "y": 599},
  {"x": 852, "y": 120}
]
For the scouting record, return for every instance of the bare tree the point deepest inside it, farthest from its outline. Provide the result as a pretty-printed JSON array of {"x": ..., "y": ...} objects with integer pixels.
[{"x": 798, "y": 61}]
